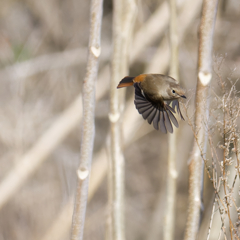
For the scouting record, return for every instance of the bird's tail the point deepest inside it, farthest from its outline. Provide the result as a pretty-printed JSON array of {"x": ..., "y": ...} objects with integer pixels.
[{"x": 126, "y": 82}]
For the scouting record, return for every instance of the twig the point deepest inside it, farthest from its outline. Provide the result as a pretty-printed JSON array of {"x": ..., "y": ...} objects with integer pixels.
[
  {"x": 204, "y": 78},
  {"x": 199, "y": 146},
  {"x": 169, "y": 223},
  {"x": 88, "y": 126},
  {"x": 224, "y": 167},
  {"x": 237, "y": 154},
  {"x": 211, "y": 219}
]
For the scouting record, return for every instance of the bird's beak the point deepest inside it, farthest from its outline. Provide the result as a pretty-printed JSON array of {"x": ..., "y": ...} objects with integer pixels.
[{"x": 183, "y": 96}]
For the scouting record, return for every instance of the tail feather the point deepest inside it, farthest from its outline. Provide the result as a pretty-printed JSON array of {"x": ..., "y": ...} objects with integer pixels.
[{"x": 126, "y": 82}]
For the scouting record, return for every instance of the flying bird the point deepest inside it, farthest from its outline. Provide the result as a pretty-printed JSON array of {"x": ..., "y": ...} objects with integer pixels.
[{"x": 153, "y": 95}]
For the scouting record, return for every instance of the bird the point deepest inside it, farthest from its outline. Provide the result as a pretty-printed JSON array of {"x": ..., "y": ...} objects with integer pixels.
[{"x": 153, "y": 95}]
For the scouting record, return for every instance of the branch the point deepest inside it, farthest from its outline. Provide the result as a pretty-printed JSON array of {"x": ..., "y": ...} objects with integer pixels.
[
  {"x": 204, "y": 78},
  {"x": 124, "y": 13},
  {"x": 169, "y": 223},
  {"x": 88, "y": 126}
]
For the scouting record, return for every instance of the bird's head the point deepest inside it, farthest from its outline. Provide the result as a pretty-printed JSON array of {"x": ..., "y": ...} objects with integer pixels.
[{"x": 174, "y": 91}]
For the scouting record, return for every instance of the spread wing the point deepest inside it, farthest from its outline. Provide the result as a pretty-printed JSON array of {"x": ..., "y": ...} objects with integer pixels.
[{"x": 160, "y": 114}]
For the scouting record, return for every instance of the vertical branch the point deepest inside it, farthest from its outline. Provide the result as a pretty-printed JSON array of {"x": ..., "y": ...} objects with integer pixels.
[
  {"x": 172, "y": 144},
  {"x": 123, "y": 19},
  {"x": 173, "y": 36},
  {"x": 88, "y": 126},
  {"x": 204, "y": 79}
]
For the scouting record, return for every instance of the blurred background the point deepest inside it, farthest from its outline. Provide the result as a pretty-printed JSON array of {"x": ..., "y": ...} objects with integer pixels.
[{"x": 43, "y": 54}]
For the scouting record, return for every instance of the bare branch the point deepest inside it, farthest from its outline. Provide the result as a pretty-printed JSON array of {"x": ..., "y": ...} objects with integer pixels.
[
  {"x": 88, "y": 126},
  {"x": 173, "y": 37},
  {"x": 124, "y": 13},
  {"x": 204, "y": 78},
  {"x": 169, "y": 224}
]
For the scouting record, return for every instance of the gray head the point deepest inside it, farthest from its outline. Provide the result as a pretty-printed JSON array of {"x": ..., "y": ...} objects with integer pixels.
[{"x": 174, "y": 91}]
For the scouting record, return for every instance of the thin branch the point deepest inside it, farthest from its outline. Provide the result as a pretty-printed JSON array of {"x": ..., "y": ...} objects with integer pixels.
[
  {"x": 224, "y": 167},
  {"x": 211, "y": 219},
  {"x": 173, "y": 36},
  {"x": 204, "y": 78},
  {"x": 124, "y": 13},
  {"x": 169, "y": 224},
  {"x": 88, "y": 126}
]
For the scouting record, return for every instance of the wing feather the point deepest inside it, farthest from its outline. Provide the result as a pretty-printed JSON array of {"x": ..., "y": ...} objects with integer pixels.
[
  {"x": 161, "y": 116},
  {"x": 168, "y": 123}
]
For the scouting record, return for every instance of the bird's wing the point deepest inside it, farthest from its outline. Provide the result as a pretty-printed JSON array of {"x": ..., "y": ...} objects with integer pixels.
[
  {"x": 175, "y": 103},
  {"x": 160, "y": 114}
]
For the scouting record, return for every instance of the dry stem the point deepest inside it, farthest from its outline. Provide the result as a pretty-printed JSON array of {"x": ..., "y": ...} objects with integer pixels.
[
  {"x": 123, "y": 19},
  {"x": 88, "y": 126},
  {"x": 204, "y": 78},
  {"x": 169, "y": 225}
]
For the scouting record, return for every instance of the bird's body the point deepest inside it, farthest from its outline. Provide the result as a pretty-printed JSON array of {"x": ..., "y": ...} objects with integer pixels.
[{"x": 153, "y": 95}]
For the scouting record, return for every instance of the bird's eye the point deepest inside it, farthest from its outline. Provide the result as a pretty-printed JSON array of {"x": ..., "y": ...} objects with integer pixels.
[{"x": 173, "y": 91}]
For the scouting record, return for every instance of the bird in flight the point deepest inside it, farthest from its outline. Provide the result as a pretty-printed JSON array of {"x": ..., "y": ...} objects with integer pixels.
[{"x": 153, "y": 95}]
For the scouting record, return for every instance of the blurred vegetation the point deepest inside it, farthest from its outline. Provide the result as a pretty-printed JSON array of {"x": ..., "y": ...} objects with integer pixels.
[{"x": 30, "y": 29}]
